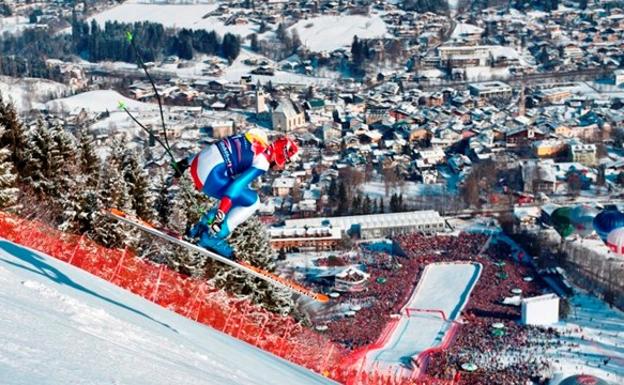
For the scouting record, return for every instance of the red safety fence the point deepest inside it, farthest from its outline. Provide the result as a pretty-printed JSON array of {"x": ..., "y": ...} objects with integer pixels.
[
  {"x": 198, "y": 300},
  {"x": 190, "y": 297}
]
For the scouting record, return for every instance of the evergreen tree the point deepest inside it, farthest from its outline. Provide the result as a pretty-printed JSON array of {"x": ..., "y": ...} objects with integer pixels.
[
  {"x": 161, "y": 203},
  {"x": 88, "y": 162},
  {"x": 13, "y": 136},
  {"x": 64, "y": 164},
  {"x": 112, "y": 193},
  {"x": 231, "y": 46},
  {"x": 343, "y": 201},
  {"x": 357, "y": 51},
  {"x": 254, "y": 43},
  {"x": 8, "y": 181},
  {"x": 332, "y": 191},
  {"x": 187, "y": 208},
  {"x": 44, "y": 160},
  {"x": 138, "y": 186},
  {"x": 251, "y": 243},
  {"x": 382, "y": 206},
  {"x": 295, "y": 40}
]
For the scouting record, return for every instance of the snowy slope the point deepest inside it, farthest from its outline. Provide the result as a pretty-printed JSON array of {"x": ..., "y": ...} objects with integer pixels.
[
  {"x": 443, "y": 287},
  {"x": 328, "y": 33},
  {"x": 29, "y": 93},
  {"x": 98, "y": 101},
  {"x": 60, "y": 325},
  {"x": 191, "y": 16}
]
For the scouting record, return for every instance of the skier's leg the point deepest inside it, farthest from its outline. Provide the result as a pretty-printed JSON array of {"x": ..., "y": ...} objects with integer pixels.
[
  {"x": 210, "y": 176},
  {"x": 237, "y": 215},
  {"x": 245, "y": 202},
  {"x": 240, "y": 214}
]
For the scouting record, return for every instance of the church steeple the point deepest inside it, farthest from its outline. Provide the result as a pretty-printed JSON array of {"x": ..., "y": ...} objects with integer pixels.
[{"x": 261, "y": 106}]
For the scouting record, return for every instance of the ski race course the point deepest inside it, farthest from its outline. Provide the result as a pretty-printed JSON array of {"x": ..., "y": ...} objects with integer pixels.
[
  {"x": 427, "y": 319},
  {"x": 60, "y": 324}
]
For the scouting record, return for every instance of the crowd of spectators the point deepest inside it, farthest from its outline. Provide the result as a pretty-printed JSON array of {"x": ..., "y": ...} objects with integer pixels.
[
  {"x": 500, "y": 358},
  {"x": 392, "y": 281},
  {"x": 508, "y": 357}
]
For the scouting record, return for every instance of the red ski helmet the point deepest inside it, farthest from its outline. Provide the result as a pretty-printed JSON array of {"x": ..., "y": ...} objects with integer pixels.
[{"x": 284, "y": 150}]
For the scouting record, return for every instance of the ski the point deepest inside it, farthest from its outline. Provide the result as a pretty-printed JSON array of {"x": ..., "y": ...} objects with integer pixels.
[{"x": 246, "y": 267}]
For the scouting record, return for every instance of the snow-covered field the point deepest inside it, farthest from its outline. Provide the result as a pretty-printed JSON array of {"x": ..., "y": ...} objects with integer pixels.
[
  {"x": 443, "y": 287},
  {"x": 594, "y": 334},
  {"x": 238, "y": 68},
  {"x": 30, "y": 93},
  {"x": 60, "y": 325},
  {"x": 327, "y": 33},
  {"x": 98, "y": 101},
  {"x": 191, "y": 16}
]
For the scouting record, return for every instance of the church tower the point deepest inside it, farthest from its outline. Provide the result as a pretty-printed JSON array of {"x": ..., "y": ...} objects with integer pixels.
[
  {"x": 521, "y": 103},
  {"x": 261, "y": 106}
]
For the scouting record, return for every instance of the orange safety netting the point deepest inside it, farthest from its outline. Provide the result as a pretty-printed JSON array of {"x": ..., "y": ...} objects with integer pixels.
[{"x": 198, "y": 300}]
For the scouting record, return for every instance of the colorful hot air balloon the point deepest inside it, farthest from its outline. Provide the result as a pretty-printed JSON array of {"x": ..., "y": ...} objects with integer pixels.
[
  {"x": 583, "y": 218},
  {"x": 615, "y": 241},
  {"x": 607, "y": 221},
  {"x": 562, "y": 222}
]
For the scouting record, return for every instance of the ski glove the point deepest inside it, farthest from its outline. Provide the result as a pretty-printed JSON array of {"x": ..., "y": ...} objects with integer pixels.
[{"x": 179, "y": 167}]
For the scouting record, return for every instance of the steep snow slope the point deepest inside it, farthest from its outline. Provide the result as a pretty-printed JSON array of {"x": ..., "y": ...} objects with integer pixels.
[{"x": 61, "y": 325}]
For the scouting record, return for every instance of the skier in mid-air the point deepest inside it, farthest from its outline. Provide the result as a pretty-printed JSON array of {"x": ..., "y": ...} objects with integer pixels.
[{"x": 224, "y": 171}]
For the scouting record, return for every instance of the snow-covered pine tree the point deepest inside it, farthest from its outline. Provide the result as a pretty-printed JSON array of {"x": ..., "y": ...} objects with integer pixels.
[
  {"x": 89, "y": 162},
  {"x": 162, "y": 203},
  {"x": 141, "y": 197},
  {"x": 14, "y": 137},
  {"x": 188, "y": 205},
  {"x": 42, "y": 155},
  {"x": 65, "y": 177},
  {"x": 112, "y": 192},
  {"x": 8, "y": 181},
  {"x": 251, "y": 243}
]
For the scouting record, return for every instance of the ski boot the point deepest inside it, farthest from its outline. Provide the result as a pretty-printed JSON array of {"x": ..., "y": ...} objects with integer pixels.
[
  {"x": 210, "y": 241},
  {"x": 210, "y": 233}
]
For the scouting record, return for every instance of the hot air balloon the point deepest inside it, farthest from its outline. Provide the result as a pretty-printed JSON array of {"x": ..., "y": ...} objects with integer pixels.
[
  {"x": 583, "y": 218},
  {"x": 615, "y": 241},
  {"x": 562, "y": 222},
  {"x": 607, "y": 221}
]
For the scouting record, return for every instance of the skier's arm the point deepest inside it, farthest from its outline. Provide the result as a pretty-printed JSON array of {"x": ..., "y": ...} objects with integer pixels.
[{"x": 234, "y": 191}]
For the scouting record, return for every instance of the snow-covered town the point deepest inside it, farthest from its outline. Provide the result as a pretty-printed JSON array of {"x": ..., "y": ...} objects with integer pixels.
[{"x": 359, "y": 192}]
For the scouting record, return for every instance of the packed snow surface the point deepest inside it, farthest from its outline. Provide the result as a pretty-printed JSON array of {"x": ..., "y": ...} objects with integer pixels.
[
  {"x": 193, "y": 16},
  {"x": 443, "y": 287},
  {"x": 61, "y": 325},
  {"x": 30, "y": 93},
  {"x": 328, "y": 33},
  {"x": 98, "y": 101}
]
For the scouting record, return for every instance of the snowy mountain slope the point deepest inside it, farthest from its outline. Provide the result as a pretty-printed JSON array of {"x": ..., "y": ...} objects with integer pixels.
[
  {"x": 98, "y": 101},
  {"x": 61, "y": 325}
]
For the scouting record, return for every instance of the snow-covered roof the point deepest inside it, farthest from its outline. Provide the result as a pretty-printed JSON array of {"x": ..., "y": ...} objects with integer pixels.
[{"x": 404, "y": 219}]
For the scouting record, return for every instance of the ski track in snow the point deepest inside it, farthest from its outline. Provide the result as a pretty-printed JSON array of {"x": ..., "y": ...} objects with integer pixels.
[
  {"x": 61, "y": 325},
  {"x": 443, "y": 287}
]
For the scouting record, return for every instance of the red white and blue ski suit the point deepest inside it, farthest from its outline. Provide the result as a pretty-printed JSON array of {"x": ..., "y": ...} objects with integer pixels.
[{"x": 226, "y": 169}]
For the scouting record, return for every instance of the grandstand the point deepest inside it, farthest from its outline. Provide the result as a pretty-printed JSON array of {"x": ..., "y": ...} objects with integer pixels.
[{"x": 377, "y": 225}]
